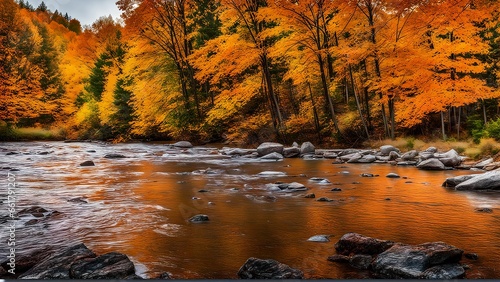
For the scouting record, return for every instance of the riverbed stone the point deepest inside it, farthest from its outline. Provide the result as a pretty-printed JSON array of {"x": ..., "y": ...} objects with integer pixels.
[
  {"x": 422, "y": 156},
  {"x": 385, "y": 150},
  {"x": 483, "y": 163},
  {"x": 183, "y": 144},
  {"x": 272, "y": 156},
  {"x": 87, "y": 163},
  {"x": 454, "y": 181},
  {"x": 319, "y": 238},
  {"x": 307, "y": 148},
  {"x": 393, "y": 155},
  {"x": 271, "y": 173},
  {"x": 487, "y": 181},
  {"x": 360, "y": 261},
  {"x": 446, "y": 271},
  {"x": 108, "y": 266},
  {"x": 268, "y": 148},
  {"x": 431, "y": 164},
  {"x": 431, "y": 150},
  {"x": 410, "y": 155},
  {"x": 392, "y": 175},
  {"x": 58, "y": 265},
  {"x": 339, "y": 258},
  {"x": 199, "y": 218},
  {"x": 403, "y": 261},
  {"x": 354, "y": 243},
  {"x": 26, "y": 262},
  {"x": 291, "y": 152},
  {"x": 359, "y": 158},
  {"x": 114, "y": 156},
  {"x": 255, "y": 268},
  {"x": 324, "y": 199},
  {"x": 310, "y": 196}
]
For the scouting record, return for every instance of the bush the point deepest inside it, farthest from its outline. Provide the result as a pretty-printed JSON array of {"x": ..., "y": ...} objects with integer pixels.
[{"x": 493, "y": 129}]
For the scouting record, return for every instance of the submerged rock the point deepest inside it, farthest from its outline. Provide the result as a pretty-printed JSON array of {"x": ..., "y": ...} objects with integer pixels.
[
  {"x": 108, "y": 266},
  {"x": 199, "y": 218},
  {"x": 354, "y": 243},
  {"x": 255, "y": 268},
  {"x": 319, "y": 238},
  {"x": 114, "y": 156}
]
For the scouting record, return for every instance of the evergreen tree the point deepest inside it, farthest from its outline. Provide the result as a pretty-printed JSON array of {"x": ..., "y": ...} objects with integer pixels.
[{"x": 42, "y": 7}]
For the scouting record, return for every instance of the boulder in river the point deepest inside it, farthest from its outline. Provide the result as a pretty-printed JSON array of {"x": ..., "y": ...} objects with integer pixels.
[
  {"x": 268, "y": 148},
  {"x": 307, "y": 148},
  {"x": 108, "y": 266},
  {"x": 319, "y": 238},
  {"x": 183, "y": 144},
  {"x": 403, "y": 261},
  {"x": 354, "y": 243},
  {"x": 272, "y": 156},
  {"x": 410, "y": 155},
  {"x": 487, "y": 181},
  {"x": 291, "y": 152},
  {"x": 392, "y": 175},
  {"x": 114, "y": 156},
  {"x": 454, "y": 181},
  {"x": 431, "y": 164},
  {"x": 58, "y": 265},
  {"x": 87, "y": 163},
  {"x": 450, "y": 158},
  {"x": 255, "y": 268},
  {"x": 483, "y": 163},
  {"x": 199, "y": 218},
  {"x": 385, "y": 150}
]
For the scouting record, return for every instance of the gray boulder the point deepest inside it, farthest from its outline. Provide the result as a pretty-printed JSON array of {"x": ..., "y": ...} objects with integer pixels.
[
  {"x": 446, "y": 271},
  {"x": 351, "y": 157},
  {"x": 393, "y": 175},
  {"x": 393, "y": 155},
  {"x": 114, "y": 156},
  {"x": 487, "y": 181},
  {"x": 431, "y": 164},
  {"x": 354, "y": 243},
  {"x": 363, "y": 159},
  {"x": 385, "y": 150},
  {"x": 108, "y": 266},
  {"x": 431, "y": 150},
  {"x": 307, "y": 148},
  {"x": 199, "y": 218},
  {"x": 483, "y": 163},
  {"x": 87, "y": 163},
  {"x": 268, "y": 148},
  {"x": 183, "y": 144},
  {"x": 409, "y": 156},
  {"x": 409, "y": 262},
  {"x": 272, "y": 156},
  {"x": 425, "y": 155},
  {"x": 319, "y": 238},
  {"x": 450, "y": 158},
  {"x": 454, "y": 181},
  {"x": 291, "y": 152},
  {"x": 255, "y": 268},
  {"x": 360, "y": 261},
  {"x": 58, "y": 265}
]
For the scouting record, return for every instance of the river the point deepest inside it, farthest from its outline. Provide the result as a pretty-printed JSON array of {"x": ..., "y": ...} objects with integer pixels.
[{"x": 140, "y": 206}]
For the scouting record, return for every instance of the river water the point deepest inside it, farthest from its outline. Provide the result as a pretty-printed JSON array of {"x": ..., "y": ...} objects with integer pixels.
[{"x": 140, "y": 206}]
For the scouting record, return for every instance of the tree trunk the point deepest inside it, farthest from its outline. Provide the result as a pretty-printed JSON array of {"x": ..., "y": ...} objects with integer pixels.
[
  {"x": 315, "y": 112},
  {"x": 442, "y": 126},
  {"x": 458, "y": 122},
  {"x": 324, "y": 84},
  {"x": 357, "y": 102},
  {"x": 391, "y": 114}
]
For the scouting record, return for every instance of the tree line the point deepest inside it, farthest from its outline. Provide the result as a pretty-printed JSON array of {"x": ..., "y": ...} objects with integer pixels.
[{"x": 254, "y": 70}]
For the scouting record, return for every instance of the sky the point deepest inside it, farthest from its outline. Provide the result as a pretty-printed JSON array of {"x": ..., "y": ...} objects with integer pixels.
[{"x": 86, "y": 11}]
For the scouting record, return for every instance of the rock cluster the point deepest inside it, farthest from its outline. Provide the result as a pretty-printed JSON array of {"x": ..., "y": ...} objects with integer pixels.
[{"x": 390, "y": 260}]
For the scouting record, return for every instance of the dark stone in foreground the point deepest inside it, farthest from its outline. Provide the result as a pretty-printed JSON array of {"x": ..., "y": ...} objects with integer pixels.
[
  {"x": 354, "y": 243},
  {"x": 58, "y": 265},
  {"x": 108, "y": 266},
  {"x": 447, "y": 271},
  {"x": 87, "y": 163},
  {"x": 255, "y": 268},
  {"x": 486, "y": 181},
  {"x": 25, "y": 262},
  {"x": 199, "y": 218}
]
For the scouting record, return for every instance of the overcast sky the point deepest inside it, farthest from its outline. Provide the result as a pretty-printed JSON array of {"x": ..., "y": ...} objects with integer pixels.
[{"x": 86, "y": 11}]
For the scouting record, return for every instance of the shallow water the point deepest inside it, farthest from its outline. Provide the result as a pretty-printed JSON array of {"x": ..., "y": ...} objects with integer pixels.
[{"x": 140, "y": 206}]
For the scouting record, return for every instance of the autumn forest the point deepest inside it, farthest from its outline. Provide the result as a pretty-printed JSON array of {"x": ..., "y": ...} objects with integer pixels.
[{"x": 248, "y": 71}]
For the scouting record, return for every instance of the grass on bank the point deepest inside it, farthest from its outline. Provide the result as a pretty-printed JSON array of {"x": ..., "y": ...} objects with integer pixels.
[
  {"x": 486, "y": 147},
  {"x": 9, "y": 133}
]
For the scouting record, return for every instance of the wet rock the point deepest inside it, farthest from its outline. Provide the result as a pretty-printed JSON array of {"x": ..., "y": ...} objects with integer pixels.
[
  {"x": 450, "y": 158},
  {"x": 272, "y": 156},
  {"x": 79, "y": 200},
  {"x": 164, "y": 276},
  {"x": 492, "y": 166},
  {"x": 360, "y": 261},
  {"x": 35, "y": 211},
  {"x": 114, "y": 156},
  {"x": 431, "y": 150},
  {"x": 183, "y": 144},
  {"x": 410, "y": 155},
  {"x": 385, "y": 150},
  {"x": 25, "y": 262},
  {"x": 485, "y": 210},
  {"x": 286, "y": 187},
  {"x": 348, "y": 152},
  {"x": 367, "y": 175},
  {"x": 271, "y": 173},
  {"x": 403, "y": 261},
  {"x": 108, "y": 266},
  {"x": 486, "y": 181},
  {"x": 295, "y": 144},
  {"x": 454, "y": 181},
  {"x": 320, "y": 180},
  {"x": 351, "y": 157},
  {"x": 431, "y": 164},
  {"x": 425, "y": 155},
  {"x": 483, "y": 163},
  {"x": 291, "y": 152},
  {"x": 339, "y": 258},
  {"x": 354, "y": 243},
  {"x": 471, "y": 256},
  {"x": 324, "y": 199},
  {"x": 87, "y": 163},
  {"x": 336, "y": 190},
  {"x": 199, "y": 218},
  {"x": 12, "y": 153},
  {"x": 319, "y": 238},
  {"x": 407, "y": 163},
  {"x": 268, "y": 148},
  {"x": 446, "y": 271},
  {"x": 392, "y": 175},
  {"x": 57, "y": 266},
  {"x": 255, "y": 268},
  {"x": 91, "y": 151},
  {"x": 310, "y": 196},
  {"x": 363, "y": 159},
  {"x": 307, "y": 148},
  {"x": 236, "y": 152},
  {"x": 393, "y": 155},
  {"x": 203, "y": 191}
]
